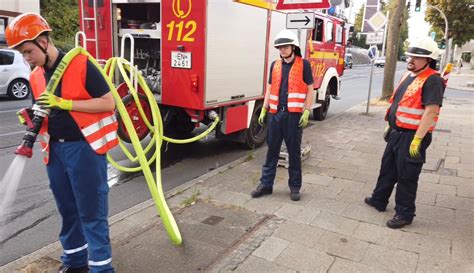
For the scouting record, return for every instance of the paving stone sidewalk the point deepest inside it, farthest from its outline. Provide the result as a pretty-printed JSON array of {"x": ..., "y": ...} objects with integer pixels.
[{"x": 329, "y": 230}]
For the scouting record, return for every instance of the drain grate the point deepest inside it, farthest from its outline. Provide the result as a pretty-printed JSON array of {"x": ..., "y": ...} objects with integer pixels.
[{"x": 212, "y": 220}]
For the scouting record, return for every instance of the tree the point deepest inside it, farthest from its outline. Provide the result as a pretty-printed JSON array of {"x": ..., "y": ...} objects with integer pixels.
[
  {"x": 395, "y": 22},
  {"x": 63, "y": 18},
  {"x": 358, "y": 19},
  {"x": 358, "y": 39},
  {"x": 460, "y": 19}
]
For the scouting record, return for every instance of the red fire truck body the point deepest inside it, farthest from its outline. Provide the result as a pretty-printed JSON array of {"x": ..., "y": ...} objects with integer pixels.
[{"x": 203, "y": 55}]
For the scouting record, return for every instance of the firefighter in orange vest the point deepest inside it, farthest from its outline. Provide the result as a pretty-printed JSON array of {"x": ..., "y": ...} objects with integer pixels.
[
  {"x": 288, "y": 97},
  {"x": 412, "y": 117},
  {"x": 79, "y": 130}
]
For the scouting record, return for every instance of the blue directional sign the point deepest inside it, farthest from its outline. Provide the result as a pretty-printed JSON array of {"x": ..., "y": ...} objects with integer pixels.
[{"x": 372, "y": 52}]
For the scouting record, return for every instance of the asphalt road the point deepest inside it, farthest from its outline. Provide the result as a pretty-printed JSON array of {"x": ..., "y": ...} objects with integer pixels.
[{"x": 34, "y": 222}]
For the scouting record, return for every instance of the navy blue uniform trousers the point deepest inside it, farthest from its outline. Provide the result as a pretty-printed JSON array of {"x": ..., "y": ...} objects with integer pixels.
[
  {"x": 78, "y": 179},
  {"x": 283, "y": 126},
  {"x": 398, "y": 167}
]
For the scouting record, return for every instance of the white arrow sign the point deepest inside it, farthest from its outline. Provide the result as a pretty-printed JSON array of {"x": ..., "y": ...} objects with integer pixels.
[{"x": 301, "y": 20}]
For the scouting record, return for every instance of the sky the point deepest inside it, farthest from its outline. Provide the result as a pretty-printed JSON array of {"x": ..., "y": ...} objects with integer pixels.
[{"x": 416, "y": 19}]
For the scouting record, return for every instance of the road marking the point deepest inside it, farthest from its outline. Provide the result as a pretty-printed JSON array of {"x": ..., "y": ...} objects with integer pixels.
[
  {"x": 13, "y": 133},
  {"x": 9, "y": 111}
]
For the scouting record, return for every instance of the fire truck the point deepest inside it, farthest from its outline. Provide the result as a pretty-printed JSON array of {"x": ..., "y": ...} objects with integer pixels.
[{"x": 211, "y": 55}]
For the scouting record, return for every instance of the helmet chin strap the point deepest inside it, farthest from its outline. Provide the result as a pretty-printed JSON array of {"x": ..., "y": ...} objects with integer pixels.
[
  {"x": 291, "y": 54},
  {"x": 416, "y": 71},
  {"x": 44, "y": 50}
]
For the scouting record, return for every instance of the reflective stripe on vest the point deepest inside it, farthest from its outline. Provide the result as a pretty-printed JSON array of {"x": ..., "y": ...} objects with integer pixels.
[
  {"x": 410, "y": 109},
  {"x": 100, "y": 128},
  {"x": 297, "y": 88}
]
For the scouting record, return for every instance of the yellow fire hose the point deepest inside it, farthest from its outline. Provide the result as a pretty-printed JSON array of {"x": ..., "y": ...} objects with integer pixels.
[{"x": 156, "y": 127}]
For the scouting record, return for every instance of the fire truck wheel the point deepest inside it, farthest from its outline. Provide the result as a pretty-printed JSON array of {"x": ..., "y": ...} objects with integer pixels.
[
  {"x": 138, "y": 122},
  {"x": 321, "y": 112},
  {"x": 255, "y": 135}
]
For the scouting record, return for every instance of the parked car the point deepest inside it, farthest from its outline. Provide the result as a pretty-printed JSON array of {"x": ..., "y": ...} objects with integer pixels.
[
  {"x": 348, "y": 60},
  {"x": 14, "y": 75},
  {"x": 379, "y": 62}
]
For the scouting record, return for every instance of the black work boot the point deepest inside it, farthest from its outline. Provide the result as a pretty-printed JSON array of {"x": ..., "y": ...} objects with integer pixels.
[
  {"x": 295, "y": 195},
  {"x": 368, "y": 201},
  {"x": 261, "y": 191},
  {"x": 67, "y": 269},
  {"x": 398, "y": 222}
]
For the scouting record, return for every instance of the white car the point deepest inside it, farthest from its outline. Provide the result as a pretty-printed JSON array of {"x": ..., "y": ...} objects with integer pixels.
[
  {"x": 14, "y": 75},
  {"x": 379, "y": 62}
]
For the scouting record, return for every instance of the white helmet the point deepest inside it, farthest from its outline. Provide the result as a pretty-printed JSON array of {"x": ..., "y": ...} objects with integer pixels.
[
  {"x": 424, "y": 47},
  {"x": 286, "y": 37}
]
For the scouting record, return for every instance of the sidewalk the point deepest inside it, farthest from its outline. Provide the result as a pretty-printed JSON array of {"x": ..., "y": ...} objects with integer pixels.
[
  {"x": 459, "y": 79},
  {"x": 329, "y": 230}
]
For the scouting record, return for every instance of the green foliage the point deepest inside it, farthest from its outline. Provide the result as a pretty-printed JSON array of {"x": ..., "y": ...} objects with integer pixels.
[
  {"x": 358, "y": 19},
  {"x": 460, "y": 19},
  {"x": 63, "y": 18},
  {"x": 357, "y": 39}
]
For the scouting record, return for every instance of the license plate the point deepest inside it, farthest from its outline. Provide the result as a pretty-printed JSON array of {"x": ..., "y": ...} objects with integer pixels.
[{"x": 181, "y": 59}]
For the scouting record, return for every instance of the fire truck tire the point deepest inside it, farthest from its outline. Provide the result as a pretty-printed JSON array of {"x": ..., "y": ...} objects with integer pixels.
[
  {"x": 255, "y": 135},
  {"x": 138, "y": 123},
  {"x": 321, "y": 112}
]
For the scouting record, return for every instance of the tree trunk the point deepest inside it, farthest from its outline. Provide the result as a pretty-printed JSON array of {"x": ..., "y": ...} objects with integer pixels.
[{"x": 395, "y": 21}]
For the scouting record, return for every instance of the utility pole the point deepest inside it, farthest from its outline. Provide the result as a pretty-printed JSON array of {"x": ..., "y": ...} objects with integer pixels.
[{"x": 385, "y": 35}]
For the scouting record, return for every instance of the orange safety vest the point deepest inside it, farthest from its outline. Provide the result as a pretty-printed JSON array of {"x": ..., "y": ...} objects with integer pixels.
[
  {"x": 297, "y": 88},
  {"x": 410, "y": 109},
  {"x": 99, "y": 129}
]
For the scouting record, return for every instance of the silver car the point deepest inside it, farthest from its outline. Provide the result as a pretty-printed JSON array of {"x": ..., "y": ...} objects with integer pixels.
[{"x": 14, "y": 75}]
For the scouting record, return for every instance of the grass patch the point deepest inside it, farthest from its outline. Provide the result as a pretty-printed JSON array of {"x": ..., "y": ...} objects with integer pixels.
[
  {"x": 249, "y": 157},
  {"x": 191, "y": 200}
]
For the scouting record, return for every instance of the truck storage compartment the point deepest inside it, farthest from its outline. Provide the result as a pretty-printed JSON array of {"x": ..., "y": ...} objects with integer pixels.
[{"x": 141, "y": 19}]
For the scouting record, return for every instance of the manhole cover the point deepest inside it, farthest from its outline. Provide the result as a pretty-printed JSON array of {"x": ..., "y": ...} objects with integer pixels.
[{"x": 212, "y": 220}]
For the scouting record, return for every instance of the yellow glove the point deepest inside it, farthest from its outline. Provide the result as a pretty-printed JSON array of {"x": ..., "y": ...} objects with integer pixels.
[
  {"x": 415, "y": 146},
  {"x": 304, "y": 118},
  {"x": 48, "y": 100},
  {"x": 261, "y": 118},
  {"x": 21, "y": 119}
]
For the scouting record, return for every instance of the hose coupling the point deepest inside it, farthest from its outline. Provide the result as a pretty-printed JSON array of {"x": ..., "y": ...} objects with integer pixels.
[
  {"x": 40, "y": 111},
  {"x": 212, "y": 115}
]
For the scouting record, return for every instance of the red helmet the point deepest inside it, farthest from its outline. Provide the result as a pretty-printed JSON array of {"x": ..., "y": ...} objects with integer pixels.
[{"x": 25, "y": 27}]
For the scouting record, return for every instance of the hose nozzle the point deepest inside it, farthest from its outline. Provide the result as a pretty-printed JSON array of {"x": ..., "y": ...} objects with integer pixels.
[{"x": 26, "y": 146}]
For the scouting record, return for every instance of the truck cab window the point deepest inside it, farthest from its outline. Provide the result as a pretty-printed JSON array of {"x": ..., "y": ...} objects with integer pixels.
[
  {"x": 318, "y": 30},
  {"x": 329, "y": 32},
  {"x": 339, "y": 32}
]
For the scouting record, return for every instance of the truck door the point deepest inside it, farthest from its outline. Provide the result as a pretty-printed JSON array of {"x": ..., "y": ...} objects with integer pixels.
[
  {"x": 316, "y": 53},
  {"x": 339, "y": 47}
]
